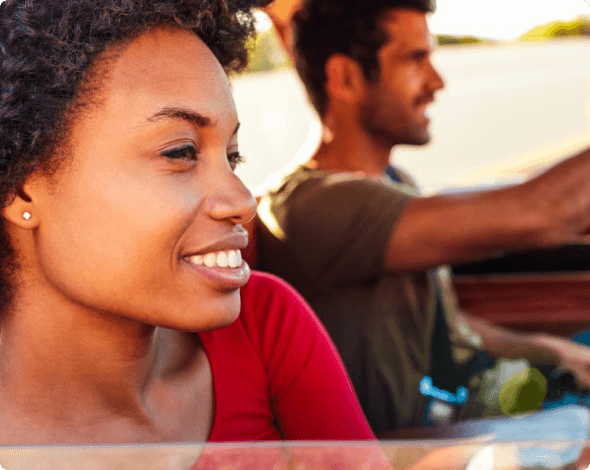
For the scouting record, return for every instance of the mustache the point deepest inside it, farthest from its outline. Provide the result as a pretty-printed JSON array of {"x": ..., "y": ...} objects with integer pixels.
[{"x": 424, "y": 99}]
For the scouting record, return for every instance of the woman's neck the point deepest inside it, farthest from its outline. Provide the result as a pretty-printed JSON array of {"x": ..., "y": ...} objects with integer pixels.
[
  {"x": 99, "y": 362},
  {"x": 73, "y": 368},
  {"x": 69, "y": 374}
]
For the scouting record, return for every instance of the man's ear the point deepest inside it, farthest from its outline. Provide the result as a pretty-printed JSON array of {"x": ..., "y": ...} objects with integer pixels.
[
  {"x": 21, "y": 210},
  {"x": 345, "y": 80}
]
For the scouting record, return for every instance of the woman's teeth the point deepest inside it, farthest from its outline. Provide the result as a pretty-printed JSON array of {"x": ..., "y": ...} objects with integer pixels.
[{"x": 221, "y": 259}]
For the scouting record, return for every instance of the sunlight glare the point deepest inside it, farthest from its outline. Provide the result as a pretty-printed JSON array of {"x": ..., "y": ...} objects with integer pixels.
[
  {"x": 501, "y": 19},
  {"x": 262, "y": 21}
]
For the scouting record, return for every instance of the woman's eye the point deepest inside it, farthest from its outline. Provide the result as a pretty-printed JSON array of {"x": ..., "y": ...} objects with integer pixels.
[
  {"x": 235, "y": 159},
  {"x": 186, "y": 152}
]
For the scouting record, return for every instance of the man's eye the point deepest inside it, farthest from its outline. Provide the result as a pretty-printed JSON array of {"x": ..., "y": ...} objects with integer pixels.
[
  {"x": 186, "y": 152},
  {"x": 235, "y": 159}
]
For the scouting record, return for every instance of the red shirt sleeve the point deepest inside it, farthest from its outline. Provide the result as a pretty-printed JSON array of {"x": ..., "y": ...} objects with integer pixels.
[{"x": 309, "y": 389}]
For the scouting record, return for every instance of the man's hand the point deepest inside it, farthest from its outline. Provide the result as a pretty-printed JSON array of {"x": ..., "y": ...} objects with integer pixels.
[
  {"x": 562, "y": 193},
  {"x": 540, "y": 349},
  {"x": 572, "y": 357},
  {"x": 282, "y": 10},
  {"x": 281, "y": 13}
]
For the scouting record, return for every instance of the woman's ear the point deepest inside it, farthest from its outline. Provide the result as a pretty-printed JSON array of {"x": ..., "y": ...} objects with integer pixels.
[
  {"x": 21, "y": 210},
  {"x": 345, "y": 80}
]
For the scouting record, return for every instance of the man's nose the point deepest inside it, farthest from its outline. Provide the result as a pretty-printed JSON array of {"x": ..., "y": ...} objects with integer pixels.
[{"x": 436, "y": 81}]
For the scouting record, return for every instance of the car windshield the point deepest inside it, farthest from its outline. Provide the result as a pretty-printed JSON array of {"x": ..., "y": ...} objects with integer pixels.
[{"x": 470, "y": 454}]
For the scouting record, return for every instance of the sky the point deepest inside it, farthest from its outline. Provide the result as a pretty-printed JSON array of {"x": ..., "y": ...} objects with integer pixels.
[
  {"x": 501, "y": 19},
  {"x": 496, "y": 19}
]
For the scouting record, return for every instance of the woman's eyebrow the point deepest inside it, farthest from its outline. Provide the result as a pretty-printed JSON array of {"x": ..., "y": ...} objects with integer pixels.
[
  {"x": 186, "y": 115},
  {"x": 181, "y": 113}
]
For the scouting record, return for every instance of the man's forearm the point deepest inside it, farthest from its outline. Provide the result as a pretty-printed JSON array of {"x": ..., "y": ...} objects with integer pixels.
[
  {"x": 552, "y": 209},
  {"x": 448, "y": 229},
  {"x": 499, "y": 341}
]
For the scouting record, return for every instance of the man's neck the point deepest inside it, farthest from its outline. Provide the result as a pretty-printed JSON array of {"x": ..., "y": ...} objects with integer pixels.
[{"x": 351, "y": 150}]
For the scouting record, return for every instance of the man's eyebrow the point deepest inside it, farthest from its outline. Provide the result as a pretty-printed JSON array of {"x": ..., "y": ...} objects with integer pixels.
[
  {"x": 419, "y": 53},
  {"x": 181, "y": 113}
]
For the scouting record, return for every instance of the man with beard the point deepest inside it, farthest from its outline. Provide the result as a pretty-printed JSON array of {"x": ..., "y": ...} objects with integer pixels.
[{"x": 350, "y": 232}]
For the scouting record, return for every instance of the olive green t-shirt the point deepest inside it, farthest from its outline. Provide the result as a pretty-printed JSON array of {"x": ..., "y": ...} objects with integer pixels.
[{"x": 326, "y": 234}]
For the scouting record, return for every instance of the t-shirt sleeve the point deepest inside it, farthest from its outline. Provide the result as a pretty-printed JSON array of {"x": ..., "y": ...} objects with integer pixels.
[
  {"x": 309, "y": 389},
  {"x": 338, "y": 229}
]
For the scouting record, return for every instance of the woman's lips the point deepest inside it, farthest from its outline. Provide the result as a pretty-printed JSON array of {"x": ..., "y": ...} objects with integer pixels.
[{"x": 225, "y": 268}]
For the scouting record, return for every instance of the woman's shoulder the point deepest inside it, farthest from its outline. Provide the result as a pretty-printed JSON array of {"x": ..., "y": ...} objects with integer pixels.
[
  {"x": 268, "y": 295},
  {"x": 272, "y": 311},
  {"x": 267, "y": 284}
]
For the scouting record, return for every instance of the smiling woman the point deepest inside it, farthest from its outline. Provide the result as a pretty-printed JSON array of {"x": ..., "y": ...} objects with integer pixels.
[{"x": 123, "y": 287}]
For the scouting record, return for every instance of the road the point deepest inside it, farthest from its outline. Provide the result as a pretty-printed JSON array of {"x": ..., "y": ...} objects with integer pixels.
[{"x": 505, "y": 108}]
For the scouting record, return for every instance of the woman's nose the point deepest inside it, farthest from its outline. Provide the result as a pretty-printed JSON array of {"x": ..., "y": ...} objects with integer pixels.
[{"x": 231, "y": 200}]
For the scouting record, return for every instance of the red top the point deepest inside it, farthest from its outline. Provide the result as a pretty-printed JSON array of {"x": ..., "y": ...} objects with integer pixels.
[{"x": 277, "y": 361}]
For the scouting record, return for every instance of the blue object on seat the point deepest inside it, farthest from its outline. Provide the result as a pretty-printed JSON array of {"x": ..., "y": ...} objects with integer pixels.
[
  {"x": 567, "y": 398},
  {"x": 563, "y": 389},
  {"x": 582, "y": 338}
]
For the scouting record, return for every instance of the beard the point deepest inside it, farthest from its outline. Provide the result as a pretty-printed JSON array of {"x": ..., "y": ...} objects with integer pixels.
[{"x": 388, "y": 125}]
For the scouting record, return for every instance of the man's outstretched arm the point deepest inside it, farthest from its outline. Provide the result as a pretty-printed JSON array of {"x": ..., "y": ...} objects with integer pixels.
[{"x": 549, "y": 210}]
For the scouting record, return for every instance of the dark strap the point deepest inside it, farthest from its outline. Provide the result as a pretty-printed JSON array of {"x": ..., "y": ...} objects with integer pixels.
[
  {"x": 393, "y": 174},
  {"x": 442, "y": 368}
]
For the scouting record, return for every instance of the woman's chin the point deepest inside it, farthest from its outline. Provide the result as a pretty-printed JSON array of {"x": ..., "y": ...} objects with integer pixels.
[{"x": 222, "y": 312}]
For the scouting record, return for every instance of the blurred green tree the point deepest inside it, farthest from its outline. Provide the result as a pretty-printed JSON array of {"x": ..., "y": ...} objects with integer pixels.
[
  {"x": 265, "y": 53},
  {"x": 577, "y": 27},
  {"x": 445, "y": 39}
]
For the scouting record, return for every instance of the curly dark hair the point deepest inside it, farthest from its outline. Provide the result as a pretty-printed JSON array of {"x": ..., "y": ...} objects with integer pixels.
[
  {"x": 47, "y": 52},
  {"x": 349, "y": 27}
]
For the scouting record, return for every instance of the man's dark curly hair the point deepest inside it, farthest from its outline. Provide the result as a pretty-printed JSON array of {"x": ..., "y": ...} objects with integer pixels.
[
  {"x": 47, "y": 50},
  {"x": 350, "y": 27}
]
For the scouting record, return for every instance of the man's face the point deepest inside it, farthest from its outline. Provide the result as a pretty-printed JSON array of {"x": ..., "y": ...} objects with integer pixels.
[{"x": 394, "y": 110}]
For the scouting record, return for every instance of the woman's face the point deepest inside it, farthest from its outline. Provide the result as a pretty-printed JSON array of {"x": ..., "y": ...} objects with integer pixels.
[{"x": 144, "y": 222}]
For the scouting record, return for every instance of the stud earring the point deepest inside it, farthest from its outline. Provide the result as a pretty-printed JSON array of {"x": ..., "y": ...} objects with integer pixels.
[{"x": 26, "y": 215}]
